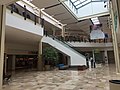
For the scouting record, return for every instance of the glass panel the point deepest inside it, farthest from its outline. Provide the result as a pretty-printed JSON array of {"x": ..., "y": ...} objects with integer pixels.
[
  {"x": 83, "y": 3},
  {"x": 76, "y": 3},
  {"x": 93, "y": 7},
  {"x": 74, "y": 0}
]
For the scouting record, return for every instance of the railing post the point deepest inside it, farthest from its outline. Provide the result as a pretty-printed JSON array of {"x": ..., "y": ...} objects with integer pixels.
[
  {"x": 24, "y": 12},
  {"x": 42, "y": 22},
  {"x": 35, "y": 19},
  {"x": 12, "y": 8}
]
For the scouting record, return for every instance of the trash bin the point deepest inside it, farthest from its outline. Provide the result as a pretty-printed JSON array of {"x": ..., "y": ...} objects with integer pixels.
[{"x": 114, "y": 84}]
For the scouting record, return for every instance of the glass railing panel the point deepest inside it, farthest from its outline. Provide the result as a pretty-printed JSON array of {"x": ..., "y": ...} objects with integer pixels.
[
  {"x": 16, "y": 8},
  {"x": 85, "y": 39},
  {"x": 60, "y": 40}
]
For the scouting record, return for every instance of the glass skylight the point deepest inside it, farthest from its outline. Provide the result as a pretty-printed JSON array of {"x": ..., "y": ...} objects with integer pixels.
[
  {"x": 79, "y": 3},
  {"x": 84, "y": 9}
]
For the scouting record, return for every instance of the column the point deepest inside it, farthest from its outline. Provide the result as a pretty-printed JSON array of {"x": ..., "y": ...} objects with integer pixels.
[
  {"x": 105, "y": 53},
  {"x": 5, "y": 63},
  {"x": 63, "y": 31},
  {"x": 2, "y": 40},
  {"x": 118, "y": 7},
  {"x": 40, "y": 63},
  {"x": 106, "y": 57},
  {"x": 94, "y": 64},
  {"x": 13, "y": 62},
  {"x": 53, "y": 29},
  {"x": 114, "y": 30}
]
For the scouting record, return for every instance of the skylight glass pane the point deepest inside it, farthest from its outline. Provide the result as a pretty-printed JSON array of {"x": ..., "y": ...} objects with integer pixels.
[
  {"x": 83, "y": 3},
  {"x": 83, "y": 9},
  {"x": 73, "y": 0},
  {"x": 76, "y": 3}
]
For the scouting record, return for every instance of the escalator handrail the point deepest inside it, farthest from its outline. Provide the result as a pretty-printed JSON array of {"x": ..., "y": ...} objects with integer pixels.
[{"x": 65, "y": 44}]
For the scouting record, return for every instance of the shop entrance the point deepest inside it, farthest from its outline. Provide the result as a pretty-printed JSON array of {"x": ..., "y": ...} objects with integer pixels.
[{"x": 26, "y": 62}]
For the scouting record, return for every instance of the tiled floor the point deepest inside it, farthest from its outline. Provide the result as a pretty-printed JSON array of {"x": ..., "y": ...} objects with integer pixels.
[{"x": 94, "y": 79}]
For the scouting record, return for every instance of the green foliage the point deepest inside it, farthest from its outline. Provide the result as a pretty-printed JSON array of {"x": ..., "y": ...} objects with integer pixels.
[{"x": 50, "y": 56}]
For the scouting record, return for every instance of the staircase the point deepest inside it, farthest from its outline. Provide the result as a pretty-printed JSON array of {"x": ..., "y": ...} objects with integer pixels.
[{"x": 76, "y": 59}]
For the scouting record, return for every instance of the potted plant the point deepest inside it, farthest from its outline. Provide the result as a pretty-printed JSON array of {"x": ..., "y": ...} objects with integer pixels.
[{"x": 50, "y": 57}]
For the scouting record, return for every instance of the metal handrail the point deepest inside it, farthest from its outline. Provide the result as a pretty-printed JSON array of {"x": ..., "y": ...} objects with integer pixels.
[
  {"x": 27, "y": 14},
  {"x": 65, "y": 44}
]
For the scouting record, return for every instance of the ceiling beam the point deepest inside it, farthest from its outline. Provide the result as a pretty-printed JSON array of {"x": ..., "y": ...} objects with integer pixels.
[
  {"x": 7, "y": 2},
  {"x": 52, "y": 6},
  {"x": 58, "y": 14}
]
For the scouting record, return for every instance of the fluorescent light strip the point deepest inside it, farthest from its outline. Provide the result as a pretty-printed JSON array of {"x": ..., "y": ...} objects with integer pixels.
[{"x": 95, "y": 20}]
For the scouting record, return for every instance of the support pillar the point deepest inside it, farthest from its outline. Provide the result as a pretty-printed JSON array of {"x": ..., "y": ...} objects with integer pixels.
[
  {"x": 114, "y": 30},
  {"x": 105, "y": 54},
  {"x": 93, "y": 52},
  {"x": 5, "y": 63},
  {"x": 40, "y": 63},
  {"x": 106, "y": 57},
  {"x": 63, "y": 31},
  {"x": 53, "y": 29},
  {"x": 94, "y": 64},
  {"x": 2, "y": 40}
]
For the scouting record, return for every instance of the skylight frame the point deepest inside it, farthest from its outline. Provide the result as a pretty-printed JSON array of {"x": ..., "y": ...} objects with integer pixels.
[
  {"x": 76, "y": 11},
  {"x": 82, "y": 3}
]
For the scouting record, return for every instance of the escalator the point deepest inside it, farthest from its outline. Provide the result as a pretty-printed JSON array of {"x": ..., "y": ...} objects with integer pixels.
[{"x": 76, "y": 59}]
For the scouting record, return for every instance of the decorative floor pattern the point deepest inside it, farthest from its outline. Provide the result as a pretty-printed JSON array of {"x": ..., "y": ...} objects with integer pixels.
[{"x": 94, "y": 79}]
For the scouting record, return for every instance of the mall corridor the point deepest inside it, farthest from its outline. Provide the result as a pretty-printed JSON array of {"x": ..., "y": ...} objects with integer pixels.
[
  {"x": 59, "y": 44},
  {"x": 94, "y": 79}
]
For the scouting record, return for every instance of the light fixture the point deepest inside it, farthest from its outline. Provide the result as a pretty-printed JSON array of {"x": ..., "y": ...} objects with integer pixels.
[{"x": 95, "y": 20}]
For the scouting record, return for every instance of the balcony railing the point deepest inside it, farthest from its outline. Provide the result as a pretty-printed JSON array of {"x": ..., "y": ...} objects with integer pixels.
[
  {"x": 80, "y": 39},
  {"x": 66, "y": 44},
  {"x": 84, "y": 39},
  {"x": 16, "y": 8}
]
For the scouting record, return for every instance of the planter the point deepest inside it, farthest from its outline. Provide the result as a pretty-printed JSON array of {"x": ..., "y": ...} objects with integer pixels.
[
  {"x": 81, "y": 68},
  {"x": 114, "y": 84}
]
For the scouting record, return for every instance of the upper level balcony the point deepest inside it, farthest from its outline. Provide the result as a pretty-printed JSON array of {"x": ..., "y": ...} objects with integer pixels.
[
  {"x": 86, "y": 42},
  {"x": 20, "y": 18}
]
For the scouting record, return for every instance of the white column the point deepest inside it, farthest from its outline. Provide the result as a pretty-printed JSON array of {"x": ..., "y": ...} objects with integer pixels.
[
  {"x": 2, "y": 40},
  {"x": 40, "y": 63},
  {"x": 93, "y": 55},
  {"x": 106, "y": 55},
  {"x": 114, "y": 37},
  {"x": 53, "y": 29},
  {"x": 63, "y": 31},
  {"x": 94, "y": 63}
]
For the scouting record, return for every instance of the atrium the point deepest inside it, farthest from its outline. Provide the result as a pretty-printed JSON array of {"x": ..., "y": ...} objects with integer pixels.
[{"x": 60, "y": 45}]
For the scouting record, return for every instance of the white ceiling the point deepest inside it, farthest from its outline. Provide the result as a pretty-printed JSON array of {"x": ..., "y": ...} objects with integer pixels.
[
  {"x": 13, "y": 35},
  {"x": 2, "y": 2},
  {"x": 63, "y": 15}
]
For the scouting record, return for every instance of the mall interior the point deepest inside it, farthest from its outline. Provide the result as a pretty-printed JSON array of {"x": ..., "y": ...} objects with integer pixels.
[{"x": 59, "y": 44}]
